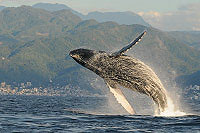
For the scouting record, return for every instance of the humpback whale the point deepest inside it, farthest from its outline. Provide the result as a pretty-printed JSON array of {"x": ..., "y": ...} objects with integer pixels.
[{"x": 118, "y": 69}]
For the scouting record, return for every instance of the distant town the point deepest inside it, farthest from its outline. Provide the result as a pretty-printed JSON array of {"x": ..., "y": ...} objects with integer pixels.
[
  {"x": 191, "y": 92},
  {"x": 28, "y": 89}
]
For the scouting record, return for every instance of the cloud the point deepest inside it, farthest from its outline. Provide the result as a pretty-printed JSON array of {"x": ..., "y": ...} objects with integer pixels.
[{"x": 186, "y": 18}]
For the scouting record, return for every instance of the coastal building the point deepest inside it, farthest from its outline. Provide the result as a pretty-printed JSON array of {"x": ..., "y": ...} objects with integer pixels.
[
  {"x": 3, "y": 84},
  {"x": 8, "y": 87},
  {"x": 28, "y": 84},
  {"x": 22, "y": 85}
]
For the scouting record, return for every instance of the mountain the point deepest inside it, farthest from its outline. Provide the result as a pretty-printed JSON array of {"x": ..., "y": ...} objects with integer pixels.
[
  {"x": 23, "y": 31},
  {"x": 2, "y": 7},
  {"x": 51, "y": 7},
  {"x": 191, "y": 79},
  {"x": 55, "y": 7},
  {"x": 127, "y": 18},
  {"x": 191, "y": 38},
  {"x": 17, "y": 21},
  {"x": 34, "y": 46}
]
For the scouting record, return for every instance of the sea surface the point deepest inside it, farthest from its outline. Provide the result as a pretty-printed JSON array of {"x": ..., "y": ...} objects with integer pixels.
[{"x": 84, "y": 114}]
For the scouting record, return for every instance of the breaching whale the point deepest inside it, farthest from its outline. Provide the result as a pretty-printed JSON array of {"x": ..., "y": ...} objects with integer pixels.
[{"x": 118, "y": 69}]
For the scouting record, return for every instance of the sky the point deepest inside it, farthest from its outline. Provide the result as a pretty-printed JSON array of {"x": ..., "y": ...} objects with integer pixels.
[
  {"x": 86, "y": 6},
  {"x": 185, "y": 14}
]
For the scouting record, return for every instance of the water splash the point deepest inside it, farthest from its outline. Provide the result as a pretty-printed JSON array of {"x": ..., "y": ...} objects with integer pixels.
[{"x": 170, "y": 110}]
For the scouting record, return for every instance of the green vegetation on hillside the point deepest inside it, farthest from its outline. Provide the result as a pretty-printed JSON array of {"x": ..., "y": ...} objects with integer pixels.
[{"x": 34, "y": 46}]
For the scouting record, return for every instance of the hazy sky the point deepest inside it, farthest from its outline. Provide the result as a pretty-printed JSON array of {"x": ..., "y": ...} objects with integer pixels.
[{"x": 85, "y": 6}]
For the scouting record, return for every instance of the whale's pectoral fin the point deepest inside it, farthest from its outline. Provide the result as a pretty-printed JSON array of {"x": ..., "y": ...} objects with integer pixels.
[
  {"x": 120, "y": 97},
  {"x": 126, "y": 48}
]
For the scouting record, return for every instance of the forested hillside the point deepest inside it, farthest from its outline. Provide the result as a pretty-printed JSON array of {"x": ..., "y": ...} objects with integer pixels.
[{"x": 34, "y": 46}]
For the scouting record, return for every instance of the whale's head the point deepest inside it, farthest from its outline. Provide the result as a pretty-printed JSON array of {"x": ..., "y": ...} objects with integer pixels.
[
  {"x": 87, "y": 58},
  {"x": 82, "y": 56}
]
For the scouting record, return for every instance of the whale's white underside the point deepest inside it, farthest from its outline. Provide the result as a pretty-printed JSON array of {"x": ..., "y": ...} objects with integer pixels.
[{"x": 121, "y": 99}]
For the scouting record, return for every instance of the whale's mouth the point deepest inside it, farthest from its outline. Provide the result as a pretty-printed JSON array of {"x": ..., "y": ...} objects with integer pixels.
[
  {"x": 72, "y": 53},
  {"x": 75, "y": 56}
]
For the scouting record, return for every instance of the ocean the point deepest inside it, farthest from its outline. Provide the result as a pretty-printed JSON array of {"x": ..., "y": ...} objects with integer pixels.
[{"x": 61, "y": 114}]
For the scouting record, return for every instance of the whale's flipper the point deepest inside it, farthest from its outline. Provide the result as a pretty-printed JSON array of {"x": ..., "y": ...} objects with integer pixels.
[
  {"x": 126, "y": 48},
  {"x": 120, "y": 98}
]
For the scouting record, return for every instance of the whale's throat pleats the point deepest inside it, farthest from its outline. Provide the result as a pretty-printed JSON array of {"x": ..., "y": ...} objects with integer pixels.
[{"x": 121, "y": 99}]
